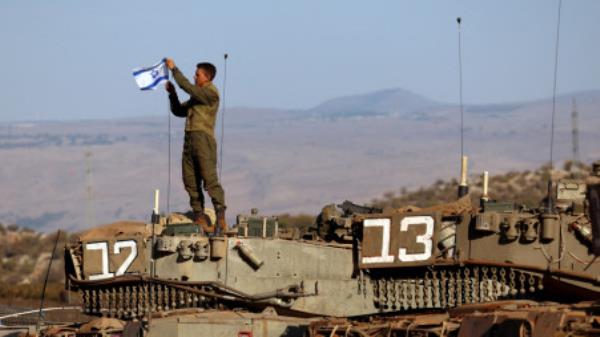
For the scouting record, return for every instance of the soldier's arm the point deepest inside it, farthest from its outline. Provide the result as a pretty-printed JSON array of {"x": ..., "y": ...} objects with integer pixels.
[
  {"x": 178, "y": 109},
  {"x": 204, "y": 94}
]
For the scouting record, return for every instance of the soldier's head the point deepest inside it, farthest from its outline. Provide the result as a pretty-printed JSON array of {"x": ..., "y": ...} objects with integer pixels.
[{"x": 205, "y": 72}]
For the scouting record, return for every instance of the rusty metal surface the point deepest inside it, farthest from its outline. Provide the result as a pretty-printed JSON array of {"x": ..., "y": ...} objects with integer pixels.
[
  {"x": 417, "y": 325},
  {"x": 504, "y": 318}
]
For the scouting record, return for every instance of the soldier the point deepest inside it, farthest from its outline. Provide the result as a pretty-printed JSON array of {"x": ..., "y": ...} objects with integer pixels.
[{"x": 199, "y": 159}]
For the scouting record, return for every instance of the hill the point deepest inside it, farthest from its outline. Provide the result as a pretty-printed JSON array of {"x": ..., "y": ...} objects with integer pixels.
[
  {"x": 24, "y": 258},
  {"x": 25, "y": 254},
  {"x": 390, "y": 102},
  {"x": 526, "y": 188},
  {"x": 77, "y": 174}
]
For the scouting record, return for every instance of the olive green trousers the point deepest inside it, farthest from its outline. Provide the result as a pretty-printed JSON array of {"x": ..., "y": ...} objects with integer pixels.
[{"x": 199, "y": 167}]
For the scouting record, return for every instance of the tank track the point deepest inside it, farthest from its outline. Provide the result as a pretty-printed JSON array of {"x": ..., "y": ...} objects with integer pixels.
[
  {"x": 129, "y": 298},
  {"x": 439, "y": 288},
  {"x": 451, "y": 286}
]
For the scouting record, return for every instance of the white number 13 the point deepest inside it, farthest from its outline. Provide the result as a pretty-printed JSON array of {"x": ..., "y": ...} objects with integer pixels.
[
  {"x": 425, "y": 239},
  {"x": 403, "y": 256}
]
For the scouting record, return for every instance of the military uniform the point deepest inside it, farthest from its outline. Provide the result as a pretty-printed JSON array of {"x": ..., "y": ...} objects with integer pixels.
[{"x": 199, "y": 159}]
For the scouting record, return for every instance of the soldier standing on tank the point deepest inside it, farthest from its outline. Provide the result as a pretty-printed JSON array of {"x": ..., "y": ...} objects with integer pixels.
[{"x": 199, "y": 159}]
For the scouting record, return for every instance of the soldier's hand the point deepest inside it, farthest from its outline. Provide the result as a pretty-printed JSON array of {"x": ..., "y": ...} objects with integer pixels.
[
  {"x": 170, "y": 63},
  {"x": 170, "y": 87}
]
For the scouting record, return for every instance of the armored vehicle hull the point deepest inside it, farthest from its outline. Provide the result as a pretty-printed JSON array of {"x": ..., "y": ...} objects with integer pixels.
[{"x": 451, "y": 270}]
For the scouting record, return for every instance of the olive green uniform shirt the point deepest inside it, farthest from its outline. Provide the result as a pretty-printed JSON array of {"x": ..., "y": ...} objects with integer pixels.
[{"x": 201, "y": 109}]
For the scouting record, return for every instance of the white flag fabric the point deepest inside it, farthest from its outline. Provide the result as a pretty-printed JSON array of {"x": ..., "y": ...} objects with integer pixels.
[{"x": 150, "y": 77}]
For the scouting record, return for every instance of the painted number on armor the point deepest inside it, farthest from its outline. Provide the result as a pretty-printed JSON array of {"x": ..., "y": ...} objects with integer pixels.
[
  {"x": 424, "y": 239},
  {"x": 103, "y": 248},
  {"x": 385, "y": 241}
]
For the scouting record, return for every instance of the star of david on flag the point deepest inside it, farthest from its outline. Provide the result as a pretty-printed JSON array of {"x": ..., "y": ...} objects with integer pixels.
[{"x": 149, "y": 78}]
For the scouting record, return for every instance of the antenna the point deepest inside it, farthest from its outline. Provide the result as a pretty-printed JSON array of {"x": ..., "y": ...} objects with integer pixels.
[
  {"x": 460, "y": 89},
  {"x": 575, "y": 125},
  {"x": 225, "y": 56},
  {"x": 554, "y": 88},
  {"x": 39, "y": 321},
  {"x": 463, "y": 187},
  {"x": 550, "y": 204},
  {"x": 89, "y": 205}
]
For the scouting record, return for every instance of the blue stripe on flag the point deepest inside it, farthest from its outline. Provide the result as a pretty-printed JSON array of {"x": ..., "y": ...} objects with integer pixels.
[
  {"x": 143, "y": 70},
  {"x": 153, "y": 84}
]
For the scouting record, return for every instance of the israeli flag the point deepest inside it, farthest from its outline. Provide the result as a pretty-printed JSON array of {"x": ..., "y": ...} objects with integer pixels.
[{"x": 150, "y": 77}]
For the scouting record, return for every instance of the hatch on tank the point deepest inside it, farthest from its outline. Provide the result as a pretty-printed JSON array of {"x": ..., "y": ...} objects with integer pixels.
[{"x": 255, "y": 225}]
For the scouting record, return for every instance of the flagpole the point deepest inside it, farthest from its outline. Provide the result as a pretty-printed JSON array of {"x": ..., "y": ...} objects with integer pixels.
[
  {"x": 168, "y": 154},
  {"x": 169, "y": 165}
]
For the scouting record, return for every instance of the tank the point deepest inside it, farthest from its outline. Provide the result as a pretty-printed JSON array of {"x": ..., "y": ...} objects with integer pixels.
[{"x": 492, "y": 268}]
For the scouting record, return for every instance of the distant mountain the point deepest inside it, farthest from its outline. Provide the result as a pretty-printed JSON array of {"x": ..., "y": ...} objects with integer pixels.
[
  {"x": 80, "y": 173},
  {"x": 404, "y": 103},
  {"x": 389, "y": 102},
  {"x": 583, "y": 98}
]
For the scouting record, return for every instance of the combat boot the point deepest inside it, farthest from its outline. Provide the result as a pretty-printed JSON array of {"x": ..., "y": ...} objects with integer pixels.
[
  {"x": 203, "y": 221},
  {"x": 221, "y": 222}
]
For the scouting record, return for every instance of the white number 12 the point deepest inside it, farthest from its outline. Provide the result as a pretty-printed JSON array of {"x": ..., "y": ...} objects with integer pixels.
[{"x": 103, "y": 248}]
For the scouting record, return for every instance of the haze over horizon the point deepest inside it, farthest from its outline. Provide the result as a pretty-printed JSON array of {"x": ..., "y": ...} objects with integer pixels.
[
  {"x": 352, "y": 148},
  {"x": 343, "y": 104},
  {"x": 68, "y": 60}
]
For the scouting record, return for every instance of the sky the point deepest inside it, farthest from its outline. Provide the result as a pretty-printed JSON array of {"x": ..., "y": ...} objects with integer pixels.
[{"x": 73, "y": 59}]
